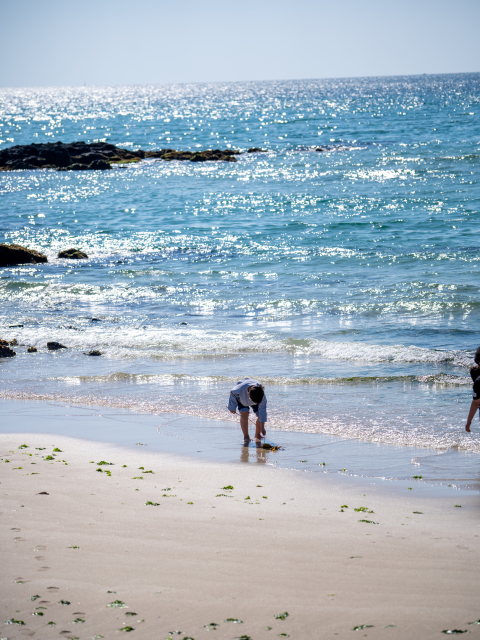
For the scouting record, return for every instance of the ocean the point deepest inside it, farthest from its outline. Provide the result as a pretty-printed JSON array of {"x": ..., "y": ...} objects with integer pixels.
[{"x": 339, "y": 267}]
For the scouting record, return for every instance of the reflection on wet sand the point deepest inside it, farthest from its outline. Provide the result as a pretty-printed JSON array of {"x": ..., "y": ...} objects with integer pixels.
[{"x": 259, "y": 455}]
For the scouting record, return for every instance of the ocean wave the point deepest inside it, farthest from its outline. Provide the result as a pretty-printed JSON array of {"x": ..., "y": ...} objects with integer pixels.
[
  {"x": 166, "y": 379},
  {"x": 118, "y": 340}
]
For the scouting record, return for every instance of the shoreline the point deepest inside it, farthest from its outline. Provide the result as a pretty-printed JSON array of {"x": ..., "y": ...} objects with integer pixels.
[
  {"x": 223, "y": 541},
  {"x": 200, "y": 438}
]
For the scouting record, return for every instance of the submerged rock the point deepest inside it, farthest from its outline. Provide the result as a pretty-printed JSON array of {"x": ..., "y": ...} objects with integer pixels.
[
  {"x": 6, "y": 352},
  {"x": 94, "y": 352},
  {"x": 96, "y": 156},
  {"x": 256, "y": 150},
  {"x": 12, "y": 254},
  {"x": 32, "y": 350},
  {"x": 54, "y": 346},
  {"x": 72, "y": 254}
]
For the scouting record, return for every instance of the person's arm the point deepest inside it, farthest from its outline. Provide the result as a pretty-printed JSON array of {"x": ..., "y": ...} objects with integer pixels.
[
  {"x": 473, "y": 409},
  {"x": 262, "y": 410},
  {"x": 232, "y": 403}
]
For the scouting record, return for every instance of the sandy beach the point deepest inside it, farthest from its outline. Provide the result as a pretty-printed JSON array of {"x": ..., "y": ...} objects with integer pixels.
[{"x": 168, "y": 546}]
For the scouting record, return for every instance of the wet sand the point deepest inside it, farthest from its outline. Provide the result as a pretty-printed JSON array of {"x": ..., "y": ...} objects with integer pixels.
[{"x": 224, "y": 541}]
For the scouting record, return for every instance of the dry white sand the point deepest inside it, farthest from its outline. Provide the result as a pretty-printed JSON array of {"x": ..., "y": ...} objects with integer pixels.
[{"x": 277, "y": 542}]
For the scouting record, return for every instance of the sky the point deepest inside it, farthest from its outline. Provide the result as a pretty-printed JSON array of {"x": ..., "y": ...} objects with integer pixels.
[{"x": 112, "y": 42}]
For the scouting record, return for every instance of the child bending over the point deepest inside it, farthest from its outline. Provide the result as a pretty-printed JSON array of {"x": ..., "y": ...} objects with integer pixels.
[{"x": 245, "y": 394}]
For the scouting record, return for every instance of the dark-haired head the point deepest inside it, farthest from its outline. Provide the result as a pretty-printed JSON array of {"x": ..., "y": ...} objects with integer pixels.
[
  {"x": 256, "y": 393},
  {"x": 476, "y": 357}
]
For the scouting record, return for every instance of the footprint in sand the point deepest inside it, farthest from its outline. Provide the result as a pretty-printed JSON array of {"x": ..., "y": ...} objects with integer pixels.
[
  {"x": 52, "y": 588},
  {"x": 17, "y": 539},
  {"x": 43, "y": 569},
  {"x": 15, "y": 529},
  {"x": 39, "y": 557},
  {"x": 40, "y": 547}
]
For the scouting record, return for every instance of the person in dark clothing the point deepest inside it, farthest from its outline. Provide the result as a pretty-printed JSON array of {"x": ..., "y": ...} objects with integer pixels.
[{"x": 475, "y": 373}]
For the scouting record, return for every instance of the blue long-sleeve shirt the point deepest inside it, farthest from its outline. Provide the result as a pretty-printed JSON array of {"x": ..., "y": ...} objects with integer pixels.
[{"x": 239, "y": 393}]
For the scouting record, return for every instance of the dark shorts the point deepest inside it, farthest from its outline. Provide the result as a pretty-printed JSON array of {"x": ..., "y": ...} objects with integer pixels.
[{"x": 242, "y": 407}]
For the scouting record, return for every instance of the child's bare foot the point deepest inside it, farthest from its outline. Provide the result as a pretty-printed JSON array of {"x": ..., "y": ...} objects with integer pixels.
[
  {"x": 246, "y": 441},
  {"x": 264, "y": 433}
]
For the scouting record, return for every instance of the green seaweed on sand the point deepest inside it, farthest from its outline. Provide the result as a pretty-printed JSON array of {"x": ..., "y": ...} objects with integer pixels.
[
  {"x": 23, "y": 446},
  {"x": 281, "y": 616},
  {"x": 97, "y": 637},
  {"x": 268, "y": 628},
  {"x": 33, "y": 598},
  {"x": 137, "y": 478},
  {"x": 127, "y": 628},
  {"x": 362, "y": 626},
  {"x": 167, "y": 489},
  {"x": 13, "y": 621},
  {"x": 240, "y": 638},
  {"x": 74, "y": 547},
  {"x": 49, "y": 458},
  {"x": 40, "y": 448},
  {"x": 78, "y": 621},
  {"x": 369, "y": 521},
  {"x": 65, "y": 602},
  {"x": 111, "y": 592},
  {"x": 247, "y": 498},
  {"x": 283, "y": 635},
  {"x": 237, "y": 621},
  {"x": 361, "y": 509},
  {"x": 171, "y": 495},
  {"x": 124, "y": 466},
  {"x": 142, "y": 468},
  {"x": 228, "y": 488},
  {"x": 141, "y": 444},
  {"x": 259, "y": 485},
  {"x": 51, "y": 624},
  {"x": 117, "y": 604},
  {"x": 130, "y": 613},
  {"x": 212, "y": 626},
  {"x": 103, "y": 462},
  {"x": 390, "y": 626},
  {"x": 37, "y": 613},
  {"x": 458, "y": 505},
  {"x": 419, "y": 512},
  {"x": 109, "y": 473},
  {"x": 57, "y": 450},
  {"x": 153, "y": 504},
  {"x": 417, "y": 477},
  {"x": 476, "y": 622},
  {"x": 452, "y": 631},
  {"x": 344, "y": 506},
  {"x": 189, "y": 502},
  {"x": 223, "y": 495},
  {"x": 149, "y": 472}
]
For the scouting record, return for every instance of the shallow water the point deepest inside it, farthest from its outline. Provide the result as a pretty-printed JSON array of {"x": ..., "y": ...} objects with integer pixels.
[
  {"x": 320, "y": 456},
  {"x": 346, "y": 280}
]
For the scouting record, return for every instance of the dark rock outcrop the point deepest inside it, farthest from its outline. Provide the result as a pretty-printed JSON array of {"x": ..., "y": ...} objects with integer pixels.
[
  {"x": 11, "y": 254},
  {"x": 72, "y": 254},
  {"x": 256, "y": 150},
  {"x": 97, "y": 156},
  {"x": 6, "y": 352},
  {"x": 55, "y": 346},
  {"x": 32, "y": 350},
  {"x": 6, "y": 343},
  {"x": 94, "y": 352}
]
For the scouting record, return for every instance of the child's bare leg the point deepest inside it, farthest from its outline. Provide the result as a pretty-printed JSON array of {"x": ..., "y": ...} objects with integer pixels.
[
  {"x": 259, "y": 429},
  {"x": 244, "y": 424}
]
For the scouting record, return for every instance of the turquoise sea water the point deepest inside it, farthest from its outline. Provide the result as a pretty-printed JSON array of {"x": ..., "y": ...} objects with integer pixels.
[{"x": 345, "y": 279}]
